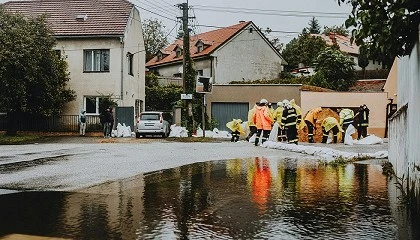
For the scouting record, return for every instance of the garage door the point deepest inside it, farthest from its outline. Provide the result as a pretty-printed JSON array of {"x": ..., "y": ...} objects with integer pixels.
[{"x": 226, "y": 112}]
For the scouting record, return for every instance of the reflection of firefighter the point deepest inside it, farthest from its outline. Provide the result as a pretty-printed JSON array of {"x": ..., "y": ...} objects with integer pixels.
[{"x": 261, "y": 182}]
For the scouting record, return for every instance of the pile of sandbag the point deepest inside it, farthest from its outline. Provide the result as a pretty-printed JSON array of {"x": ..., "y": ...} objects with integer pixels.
[{"x": 326, "y": 112}]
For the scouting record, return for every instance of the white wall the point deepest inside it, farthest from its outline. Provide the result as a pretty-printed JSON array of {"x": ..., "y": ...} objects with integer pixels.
[
  {"x": 247, "y": 56},
  {"x": 404, "y": 148},
  {"x": 117, "y": 81}
]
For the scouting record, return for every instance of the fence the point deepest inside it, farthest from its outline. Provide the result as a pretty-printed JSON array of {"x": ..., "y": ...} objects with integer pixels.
[{"x": 63, "y": 123}]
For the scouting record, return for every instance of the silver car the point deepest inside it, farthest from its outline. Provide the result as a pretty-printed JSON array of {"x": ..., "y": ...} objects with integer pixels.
[{"x": 152, "y": 123}]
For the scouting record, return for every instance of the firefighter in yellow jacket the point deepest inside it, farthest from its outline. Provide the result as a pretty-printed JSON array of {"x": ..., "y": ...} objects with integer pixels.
[
  {"x": 251, "y": 123},
  {"x": 346, "y": 118},
  {"x": 310, "y": 120},
  {"x": 236, "y": 128},
  {"x": 330, "y": 124},
  {"x": 278, "y": 114}
]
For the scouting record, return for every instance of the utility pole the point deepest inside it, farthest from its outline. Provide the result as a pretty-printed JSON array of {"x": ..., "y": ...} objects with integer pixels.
[{"x": 186, "y": 55}]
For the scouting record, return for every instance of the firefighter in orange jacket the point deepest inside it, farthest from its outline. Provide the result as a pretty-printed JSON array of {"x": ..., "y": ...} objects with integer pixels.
[{"x": 263, "y": 121}]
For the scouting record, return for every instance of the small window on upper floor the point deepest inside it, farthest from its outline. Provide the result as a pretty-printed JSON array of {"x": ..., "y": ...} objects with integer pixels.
[
  {"x": 159, "y": 56},
  {"x": 96, "y": 60},
  {"x": 130, "y": 63},
  {"x": 178, "y": 52},
  {"x": 200, "y": 48},
  {"x": 199, "y": 72}
]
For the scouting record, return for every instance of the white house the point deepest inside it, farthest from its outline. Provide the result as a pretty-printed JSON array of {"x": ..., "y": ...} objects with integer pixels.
[
  {"x": 102, "y": 43},
  {"x": 235, "y": 53},
  {"x": 346, "y": 46}
]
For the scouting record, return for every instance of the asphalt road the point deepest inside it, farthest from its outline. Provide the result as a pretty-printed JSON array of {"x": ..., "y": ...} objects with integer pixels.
[{"x": 74, "y": 163}]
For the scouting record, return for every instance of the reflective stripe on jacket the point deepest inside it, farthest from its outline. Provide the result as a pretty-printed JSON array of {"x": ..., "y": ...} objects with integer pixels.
[
  {"x": 289, "y": 117},
  {"x": 346, "y": 116}
]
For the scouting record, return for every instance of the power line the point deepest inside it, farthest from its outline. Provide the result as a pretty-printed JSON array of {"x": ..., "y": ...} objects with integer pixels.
[
  {"x": 160, "y": 8},
  {"x": 270, "y": 10}
]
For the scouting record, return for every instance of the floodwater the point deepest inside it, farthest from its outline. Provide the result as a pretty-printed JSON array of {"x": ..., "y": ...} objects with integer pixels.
[{"x": 253, "y": 198}]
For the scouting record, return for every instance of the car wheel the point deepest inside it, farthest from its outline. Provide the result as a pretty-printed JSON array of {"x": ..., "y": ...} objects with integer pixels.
[{"x": 165, "y": 133}]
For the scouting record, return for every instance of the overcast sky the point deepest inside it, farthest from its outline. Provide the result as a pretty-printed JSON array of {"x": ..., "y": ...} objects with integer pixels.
[{"x": 285, "y": 18}]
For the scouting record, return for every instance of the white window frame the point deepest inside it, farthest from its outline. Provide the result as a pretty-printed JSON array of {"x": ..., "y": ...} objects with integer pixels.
[
  {"x": 96, "y": 60},
  {"x": 96, "y": 103}
]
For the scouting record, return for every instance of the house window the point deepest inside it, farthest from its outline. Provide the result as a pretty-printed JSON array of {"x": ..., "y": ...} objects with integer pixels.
[
  {"x": 199, "y": 48},
  {"x": 178, "y": 52},
  {"x": 130, "y": 63},
  {"x": 159, "y": 56},
  {"x": 96, "y": 60},
  {"x": 178, "y": 75},
  {"x": 199, "y": 72},
  {"x": 91, "y": 104}
]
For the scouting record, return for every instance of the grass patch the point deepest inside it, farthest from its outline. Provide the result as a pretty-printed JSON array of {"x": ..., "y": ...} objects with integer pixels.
[{"x": 19, "y": 139}]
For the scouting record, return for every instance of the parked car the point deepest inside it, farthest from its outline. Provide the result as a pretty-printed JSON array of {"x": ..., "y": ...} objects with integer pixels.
[{"x": 152, "y": 123}]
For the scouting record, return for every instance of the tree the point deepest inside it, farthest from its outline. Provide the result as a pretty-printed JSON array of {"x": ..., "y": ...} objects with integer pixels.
[
  {"x": 340, "y": 30},
  {"x": 155, "y": 37},
  {"x": 33, "y": 77},
  {"x": 363, "y": 60},
  {"x": 314, "y": 27},
  {"x": 274, "y": 41},
  {"x": 385, "y": 27},
  {"x": 334, "y": 70},
  {"x": 303, "y": 49}
]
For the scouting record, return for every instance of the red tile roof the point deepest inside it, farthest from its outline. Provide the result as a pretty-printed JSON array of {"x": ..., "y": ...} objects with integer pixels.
[
  {"x": 343, "y": 42},
  {"x": 102, "y": 17},
  {"x": 371, "y": 85},
  {"x": 212, "y": 39}
]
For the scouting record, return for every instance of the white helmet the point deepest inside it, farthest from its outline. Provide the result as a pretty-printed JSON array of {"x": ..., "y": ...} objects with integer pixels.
[
  {"x": 280, "y": 104},
  {"x": 287, "y": 104},
  {"x": 263, "y": 101}
]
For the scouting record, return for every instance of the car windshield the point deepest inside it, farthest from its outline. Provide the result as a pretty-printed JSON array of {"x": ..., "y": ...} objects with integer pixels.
[{"x": 151, "y": 116}]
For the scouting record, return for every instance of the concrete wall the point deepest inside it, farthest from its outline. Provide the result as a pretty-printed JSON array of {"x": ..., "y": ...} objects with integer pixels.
[
  {"x": 404, "y": 149},
  {"x": 117, "y": 82},
  {"x": 246, "y": 57},
  {"x": 391, "y": 82},
  {"x": 252, "y": 93},
  {"x": 376, "y": 102}
]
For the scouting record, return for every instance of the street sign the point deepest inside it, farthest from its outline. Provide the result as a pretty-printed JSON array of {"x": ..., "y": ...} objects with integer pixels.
[{"x": 186, "y": 96}]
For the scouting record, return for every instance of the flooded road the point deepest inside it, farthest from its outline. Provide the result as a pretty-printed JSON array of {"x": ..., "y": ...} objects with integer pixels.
[{"x": 242, "y": 198}]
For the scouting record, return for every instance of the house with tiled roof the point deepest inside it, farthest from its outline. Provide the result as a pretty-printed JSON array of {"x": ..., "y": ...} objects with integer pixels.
[
  {"x": 346, "y": 46},
  {"x": 235, "y": 53},
  {"x": 102, "y": 43}
]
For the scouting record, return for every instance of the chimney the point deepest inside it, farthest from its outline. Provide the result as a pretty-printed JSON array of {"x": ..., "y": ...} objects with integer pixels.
[{"x": 333, "y": 38}]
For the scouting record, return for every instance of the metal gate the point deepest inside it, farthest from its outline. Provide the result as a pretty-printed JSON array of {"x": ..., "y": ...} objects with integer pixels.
[
  {"x": 226, "y": 112},
  {"x": 125, "y": 115}
]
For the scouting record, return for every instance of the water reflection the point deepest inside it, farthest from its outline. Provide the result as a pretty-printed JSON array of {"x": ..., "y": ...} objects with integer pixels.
[{"x": 236, "y": 199}]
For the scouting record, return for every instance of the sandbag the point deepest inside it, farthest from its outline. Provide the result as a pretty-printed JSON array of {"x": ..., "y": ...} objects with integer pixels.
[
  {"x": 274, "y": 132},
  {"x": 348, "y": 139}
]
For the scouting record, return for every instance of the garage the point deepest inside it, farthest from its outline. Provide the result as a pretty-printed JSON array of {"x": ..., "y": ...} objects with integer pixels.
[{"x": 224, "y": 112}]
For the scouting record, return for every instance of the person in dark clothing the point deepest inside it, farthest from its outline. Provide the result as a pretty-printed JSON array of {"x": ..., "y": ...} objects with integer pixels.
[
  {"x": 107, "y": 119},
  {"x": 289, "y": 121},
  {"x": 363, "y": 121}
]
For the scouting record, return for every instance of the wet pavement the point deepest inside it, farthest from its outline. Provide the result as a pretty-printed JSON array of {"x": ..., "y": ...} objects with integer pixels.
[
  {"x": 151, "y": 188},
  {"x": 71, "y": 163}
]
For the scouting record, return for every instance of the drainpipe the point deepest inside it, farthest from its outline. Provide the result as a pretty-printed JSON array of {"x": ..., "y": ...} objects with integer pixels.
[{"x": 122, "y": 67}]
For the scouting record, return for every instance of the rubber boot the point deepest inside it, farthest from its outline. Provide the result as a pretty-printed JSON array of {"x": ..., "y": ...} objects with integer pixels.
[
  {"x": 324, "y": 139},
  {"x": 335, "y": 139}
]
